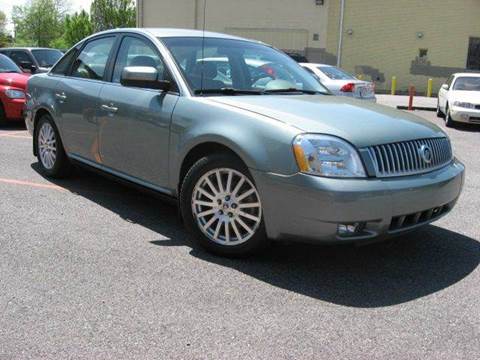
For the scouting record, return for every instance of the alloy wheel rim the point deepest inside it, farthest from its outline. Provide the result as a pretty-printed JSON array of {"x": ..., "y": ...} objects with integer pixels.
[
  {"x": 47, "y": 146},
  {"x": 226, "y": 206}
]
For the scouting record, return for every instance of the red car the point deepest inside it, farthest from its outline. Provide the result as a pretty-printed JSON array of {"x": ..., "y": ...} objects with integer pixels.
[{"x": 13, "y": 83}]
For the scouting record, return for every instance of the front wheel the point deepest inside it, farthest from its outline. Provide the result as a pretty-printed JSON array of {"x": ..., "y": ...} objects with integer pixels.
[
  {"x": 449, "y": 122},
  {"x": 221, "y": 206},
  {"x": 439, "y": 111},
  {"x": 49, "y": 149},
  {"x": 3, "y": 117}
]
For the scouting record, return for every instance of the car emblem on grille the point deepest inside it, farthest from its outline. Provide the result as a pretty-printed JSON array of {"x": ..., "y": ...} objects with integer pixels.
[{"x": 425, "y": 153}]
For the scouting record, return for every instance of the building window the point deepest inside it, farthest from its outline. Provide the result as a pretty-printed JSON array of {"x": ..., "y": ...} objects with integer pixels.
[
  {"x": 316, "y": 37},
  {"x": 473, "y": 58},
  {"x": 422, "y": 53}
]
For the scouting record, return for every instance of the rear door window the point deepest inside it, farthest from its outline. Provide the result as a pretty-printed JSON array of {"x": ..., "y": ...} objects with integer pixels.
[
  {"x": 91, "y": 63},
  {"x": 64, "y": 64}
]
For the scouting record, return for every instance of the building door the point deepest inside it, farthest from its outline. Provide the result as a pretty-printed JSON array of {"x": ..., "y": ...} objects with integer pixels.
[{"x": 473, "y": 60}]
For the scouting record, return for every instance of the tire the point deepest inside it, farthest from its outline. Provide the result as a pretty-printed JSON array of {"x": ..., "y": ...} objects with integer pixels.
[
  {"x": 440, "y": 114},
  {"x": 222, "y": 229},
  {"x": 449, "y": 122},
  {"x": 51, "y": 156}
]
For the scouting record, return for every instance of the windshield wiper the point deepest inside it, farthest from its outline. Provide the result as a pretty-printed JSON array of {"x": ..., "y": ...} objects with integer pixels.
[
  {"x": 227, "y": 91},
  {"x": 293, "y": 90}
]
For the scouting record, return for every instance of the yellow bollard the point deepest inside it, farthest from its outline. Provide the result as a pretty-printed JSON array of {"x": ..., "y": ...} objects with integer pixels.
[
  {"x": 394, "y": 85},
  {"x": 429, "y": 87}
]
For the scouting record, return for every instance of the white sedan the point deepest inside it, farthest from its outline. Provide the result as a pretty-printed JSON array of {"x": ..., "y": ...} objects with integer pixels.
[
  {"x": 340, "y": 82},
  {"x": 459, "y": 99}
]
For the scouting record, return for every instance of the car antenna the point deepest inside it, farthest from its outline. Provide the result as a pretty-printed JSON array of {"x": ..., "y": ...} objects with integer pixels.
[{"x": 203, "y": 43}]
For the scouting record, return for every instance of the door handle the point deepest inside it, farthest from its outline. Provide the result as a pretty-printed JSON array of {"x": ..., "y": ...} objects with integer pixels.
[
  {"x": 61, "y": 96},
  {"x": 109, "y": 108}
]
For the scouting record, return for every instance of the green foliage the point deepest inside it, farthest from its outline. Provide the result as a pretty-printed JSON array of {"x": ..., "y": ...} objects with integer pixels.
[
  {"x": 46, "y": 23},
  {"x": 5, "y": 38},
  {"x": 110, "y": 14},
  {"x": 39, "y": 22},
  {"x": 77, "y": 27}
]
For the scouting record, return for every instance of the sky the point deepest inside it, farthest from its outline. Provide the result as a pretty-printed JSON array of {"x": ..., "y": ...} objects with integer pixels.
[{"x": 6, "y": 7}]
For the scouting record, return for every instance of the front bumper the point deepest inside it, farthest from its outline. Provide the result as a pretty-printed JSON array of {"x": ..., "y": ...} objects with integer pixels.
[
  {"x": 13, "y": 108},
  {"x": 470, "y": 116},
  {"x": 310, "y": 208}
]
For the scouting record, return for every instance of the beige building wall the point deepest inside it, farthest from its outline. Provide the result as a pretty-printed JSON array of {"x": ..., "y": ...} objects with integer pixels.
[
  {"x": 386, "y": 35},
  {"x": 299, "y": 25}
]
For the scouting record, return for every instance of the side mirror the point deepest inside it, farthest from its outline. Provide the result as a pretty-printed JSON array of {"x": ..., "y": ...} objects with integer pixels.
[
  {"x": 445, "y": 86},
  {"x": 143, "y": 77},
  {"x": 28, "y": 65}
]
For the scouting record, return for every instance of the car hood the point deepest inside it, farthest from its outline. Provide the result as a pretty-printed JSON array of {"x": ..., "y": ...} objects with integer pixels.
[
  {"x": 15, "y": 80},
  {"x": 466, "y": 96},
  {"x": 361, "y": 123}
]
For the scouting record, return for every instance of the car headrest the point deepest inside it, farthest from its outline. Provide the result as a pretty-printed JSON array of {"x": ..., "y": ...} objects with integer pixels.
[{"x": 208, "y": 69}]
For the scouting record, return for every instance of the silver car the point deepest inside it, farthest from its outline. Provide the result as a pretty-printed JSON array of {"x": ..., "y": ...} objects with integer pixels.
[
  {"x": 249, "y": 152},
  {"x": 340, "y": 82}
]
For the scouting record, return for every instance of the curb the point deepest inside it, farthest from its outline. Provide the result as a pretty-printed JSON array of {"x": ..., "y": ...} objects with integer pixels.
[{"x": 422, "y": 108}]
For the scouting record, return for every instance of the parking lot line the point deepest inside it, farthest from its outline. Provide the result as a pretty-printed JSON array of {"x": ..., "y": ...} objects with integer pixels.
[
  {"x": 32, "y": 184},
  {"x": 15, "y": 136}
]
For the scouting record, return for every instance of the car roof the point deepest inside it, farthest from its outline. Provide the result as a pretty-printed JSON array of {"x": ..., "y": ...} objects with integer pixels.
[
  {"x": 316, "y": 64},
  {"x": 471, "y": 74},
  {"x": 174, "y": 32},
  {"x": 27, "y": 48}
]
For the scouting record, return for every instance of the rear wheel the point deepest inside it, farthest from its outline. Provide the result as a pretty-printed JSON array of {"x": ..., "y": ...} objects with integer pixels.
[
  {"x": 221, "y": 206},
  {"x": 449, "y": 122},
  {"x": 50, "y": 153}
]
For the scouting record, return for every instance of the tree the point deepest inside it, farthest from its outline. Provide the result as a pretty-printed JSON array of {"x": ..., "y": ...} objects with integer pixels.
[
  {"x": 4, "y": 36},
  {"x": 39, "y": 22},
  {"x": 77, "y": 27},
  {"x": 110, "y": 14}
]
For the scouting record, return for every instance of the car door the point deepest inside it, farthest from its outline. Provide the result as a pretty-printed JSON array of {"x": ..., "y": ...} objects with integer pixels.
[
  {"x": 134, "y": 125},
  {"x": 77, "y": 98},
  {"x": 443, "y": 94}
]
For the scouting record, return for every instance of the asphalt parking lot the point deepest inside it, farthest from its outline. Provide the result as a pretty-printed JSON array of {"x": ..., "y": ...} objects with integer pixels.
[{"x": 91, "y": 269}]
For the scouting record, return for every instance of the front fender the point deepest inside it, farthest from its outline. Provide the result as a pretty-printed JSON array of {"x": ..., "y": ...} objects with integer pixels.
[{"x": 262, "y": 143}]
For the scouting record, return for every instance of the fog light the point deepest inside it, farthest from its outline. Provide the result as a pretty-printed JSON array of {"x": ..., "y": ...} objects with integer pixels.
[{"x": 350, "y": 229}]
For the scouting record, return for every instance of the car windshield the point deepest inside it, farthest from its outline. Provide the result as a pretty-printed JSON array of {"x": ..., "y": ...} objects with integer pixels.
[
  {"x": 335, "y": 73},
  {"x": 8, "y": 66},
  {"x": 467, "y": 83},
  {"x": 226, "y": 66},
  {"x": 47, "y": 57}
]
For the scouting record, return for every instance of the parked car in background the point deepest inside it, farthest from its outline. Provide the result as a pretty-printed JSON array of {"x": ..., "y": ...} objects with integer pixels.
[
  {"x": 246, "y": 159},
  {"x": 33, "y": 60},
  {"x": 340, "y": 82},
  {"x": 12, "y": 91},
  {"x": 297, "y": 57},
  {"x": 459, "y": 99}
]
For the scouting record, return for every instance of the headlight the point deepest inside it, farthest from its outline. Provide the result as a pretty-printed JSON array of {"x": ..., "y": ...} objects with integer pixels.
[
  {"x": 328, "y": 156},
  {"x": 15, "y": 94},
  {"x": 464, "y": 105}
]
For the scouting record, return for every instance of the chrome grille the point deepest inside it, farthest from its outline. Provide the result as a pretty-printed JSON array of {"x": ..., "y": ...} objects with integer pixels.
[{"x": 406, "y": 158}]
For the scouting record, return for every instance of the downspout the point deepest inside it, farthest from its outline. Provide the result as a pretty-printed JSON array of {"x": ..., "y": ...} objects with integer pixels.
[
  {"x": 340, "y": 33},
  {"x": 195, "y": 20},
  {"x": 139, "y": 13}
]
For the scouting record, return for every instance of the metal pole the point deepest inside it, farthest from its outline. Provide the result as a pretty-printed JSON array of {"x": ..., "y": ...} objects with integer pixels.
[{"x": 340, "y": 33}]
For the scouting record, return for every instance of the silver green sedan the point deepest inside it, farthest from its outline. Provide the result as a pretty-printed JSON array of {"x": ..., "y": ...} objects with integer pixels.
[{"x": 251, "y": 147}]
